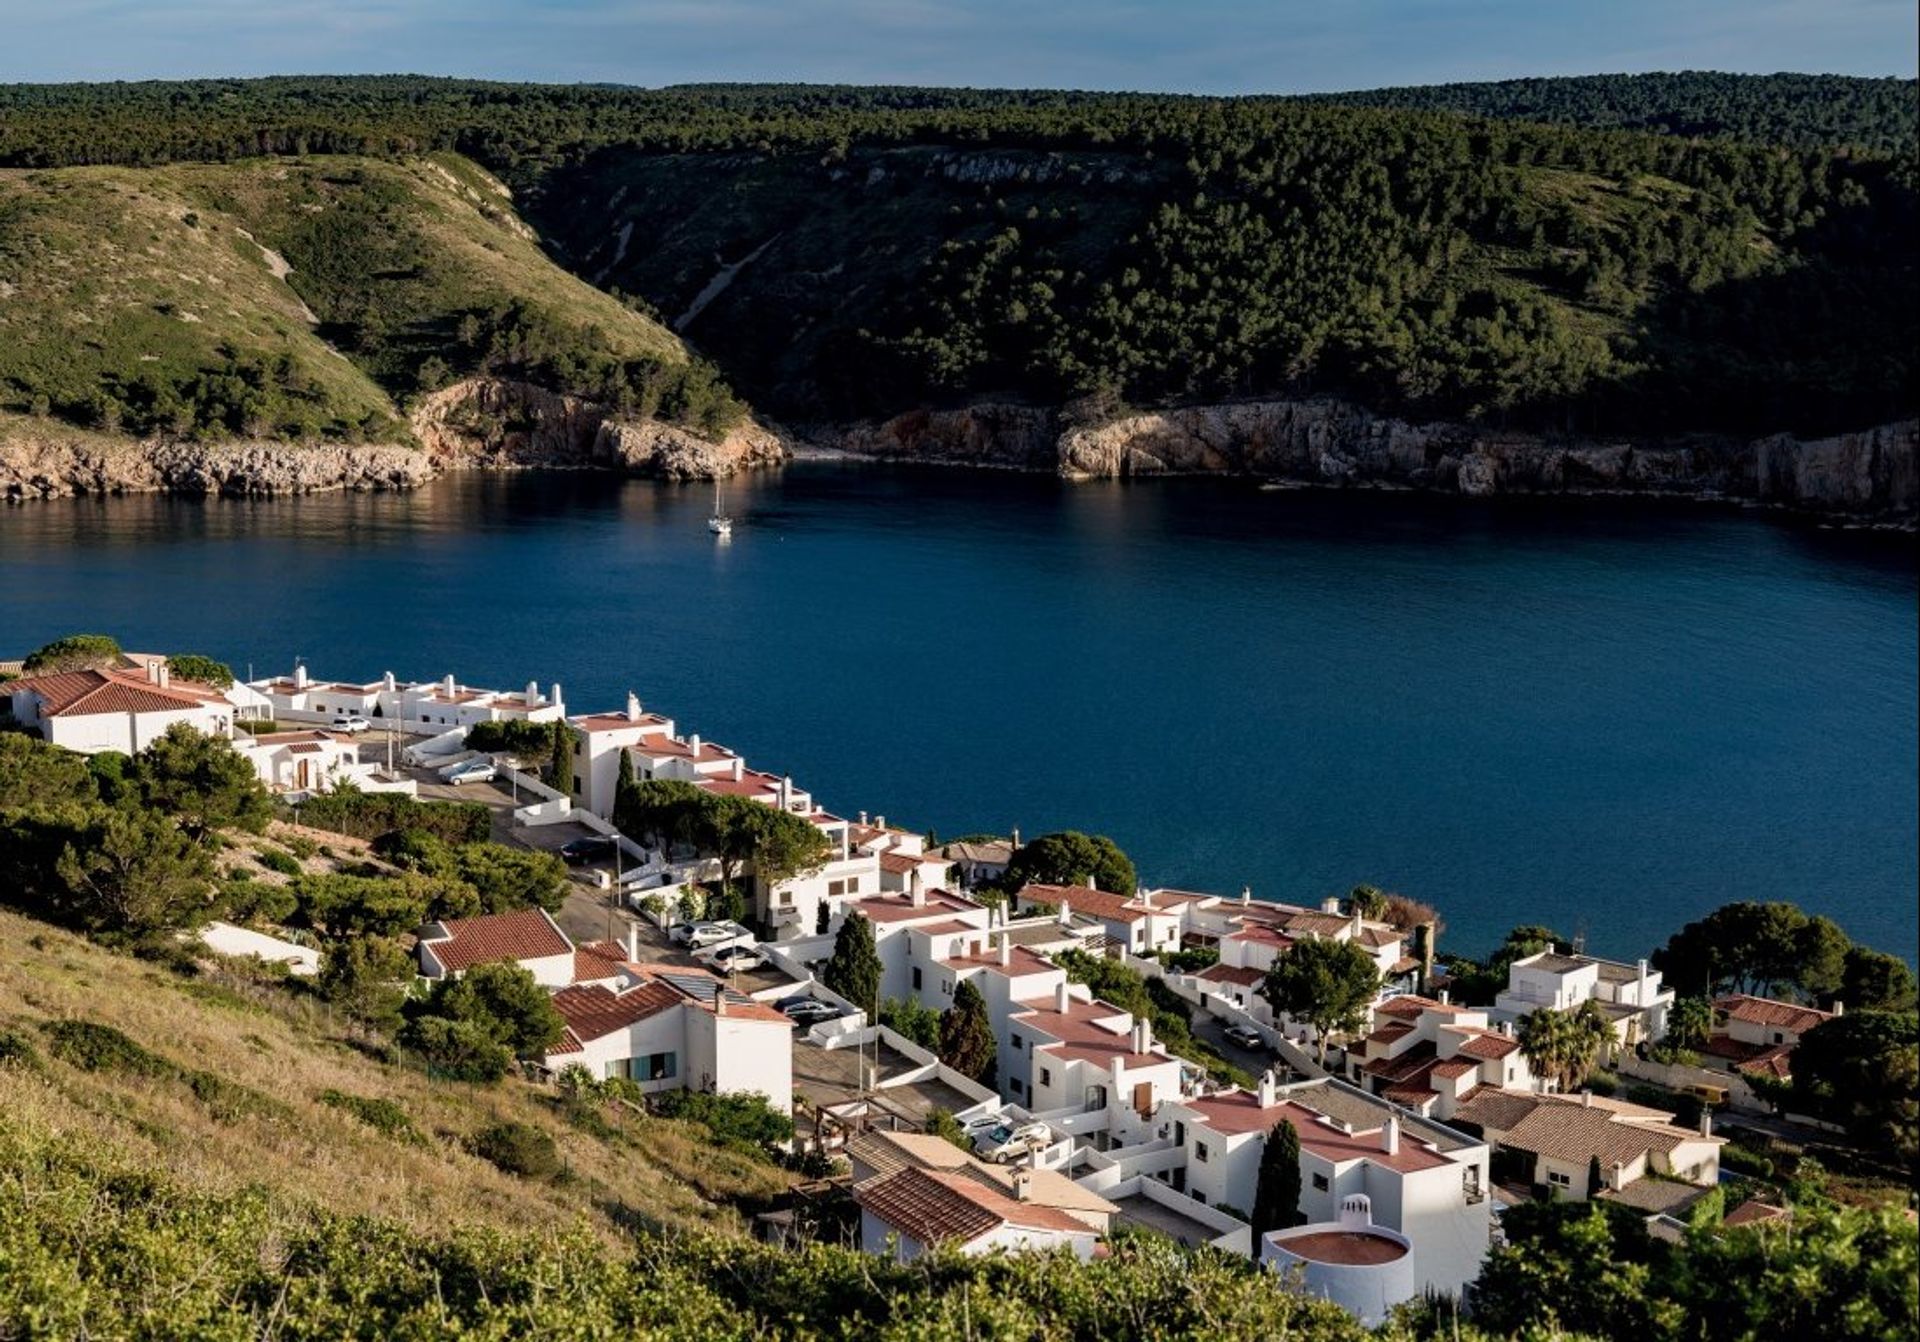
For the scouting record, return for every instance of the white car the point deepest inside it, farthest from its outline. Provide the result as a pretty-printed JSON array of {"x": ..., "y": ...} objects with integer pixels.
[
  {"x": 1003, "y": 1142},
  {"x": 736, "y": 959},
  {"x": 473, "y": 771},
  {"x": 352, "y": 723},
  {"x": 1245, "y": 1036}
]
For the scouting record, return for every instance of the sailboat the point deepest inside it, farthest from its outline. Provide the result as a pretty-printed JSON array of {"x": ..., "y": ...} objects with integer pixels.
[{"x": 720, "y": 524}]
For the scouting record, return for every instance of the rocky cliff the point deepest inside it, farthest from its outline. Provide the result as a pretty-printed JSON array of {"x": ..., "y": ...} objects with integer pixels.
[
  {"x": 1869, "y": 473},
  {"x": 481, "y": 423}
]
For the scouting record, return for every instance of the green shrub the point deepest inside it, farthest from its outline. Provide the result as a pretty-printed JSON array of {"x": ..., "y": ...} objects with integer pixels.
[
  {"x": 368, "y": 815},
  {"x": 18, "y": 1050},
  {"x": 743, "y": 1122},
  {"x": 245, "y": 900},
  {"x": 229, "y": 1101},
  {"x": 456, "y": 1050},
  {"x": 280, "y": 860},
  {"x": 301, "y": 846},
  {"x": 382, "y": 1115},
  {"x": 520, "y": 1149},
  {"x": 93, "y": 1047}
]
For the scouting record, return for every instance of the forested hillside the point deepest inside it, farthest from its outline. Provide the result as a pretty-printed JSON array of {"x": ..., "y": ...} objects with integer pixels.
[
  {"x": 846, "y": 253},
  {"x": 215, "y": 299}
]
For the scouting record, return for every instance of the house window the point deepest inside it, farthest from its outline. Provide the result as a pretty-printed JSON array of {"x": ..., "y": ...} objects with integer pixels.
[
  {"x": 836, "y": 888},
  {"x": 946, "y": 987},
  {"x": 1779, "y": 1038},
  {"x": 853, "y": 885},
  {"x": 1319, "y": 1183},
  {"x": 786, "y": 899},
  {"x": 1046, "y": 1076},
  {"x": 1014, "y": 1042},
  {"x": 916, "y": 978},
  {"x": 654, "y": 1067},
  {"x": 1013, "y": 1084},
  {"x": 1559, "y": 1180},
  {"x": 1200, "y": 1152},
  {"x": 1199, "y": 1197}
]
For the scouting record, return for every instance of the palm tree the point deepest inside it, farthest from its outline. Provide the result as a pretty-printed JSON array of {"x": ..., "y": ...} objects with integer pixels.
[
  {"x": 1589, "y": 1036},
  {"x": 1563, "y": 1046},
  {"x": 1543, "y": 1037}
]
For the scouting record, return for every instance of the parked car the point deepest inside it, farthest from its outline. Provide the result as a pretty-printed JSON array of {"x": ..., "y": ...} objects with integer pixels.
[
  {"x": 1245, "y": 1036},
  {"x": 1004, "y": 1142},
  {"x": 736, "y": 959},
  {"x": 593, "y": 848},
  {"x": 702, "y": 935},
  {"x": 352, "y": 723},
  {"x": 473, "y": 771},
  {"x": 804, "y": 1011}
]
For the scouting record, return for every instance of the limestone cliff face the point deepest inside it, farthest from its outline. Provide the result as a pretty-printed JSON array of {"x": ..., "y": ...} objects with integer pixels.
[
  {"x": 42, "y": 461},
  {"x": 481, "y": 423},
  {"x": 1867, "y": 473}
]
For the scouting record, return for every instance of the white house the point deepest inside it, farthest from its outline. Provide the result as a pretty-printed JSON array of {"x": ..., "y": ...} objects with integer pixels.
[
  {"x": 526, "y": 937},
  {"x": 1423, "y": 1180},
  {"x": 94, "y": 711},
  {"x": 1363, "y": 1268},
  {"x": 314, "y": 761},
  {"x": 416, "y": 707},
  {"x": 908, "y": 1212},
  {"x": 1148, "y": 920},
  {"x": 1630, "y": 995},
  {"x": 978, "y": 861},
  {"x": 1561, "y": 1136},
  {"x": 1430, "y": 1057},
  {"x": 877, "y": 1153},
  {"x": 1070, "y": 1051},
  {"x": 668, "y": 1028}
]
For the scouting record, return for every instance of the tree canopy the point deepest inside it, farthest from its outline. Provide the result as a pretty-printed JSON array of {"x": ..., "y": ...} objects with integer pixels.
[
  {"x": 1327, "y": 984},
  {"x": 1276, "y": 1199},
  {"x": 1072, "y": 858},
  {"x": 853, "y": 970},
  {"x": 966, "y": 1035},
  {"x": 75, "y": 652}
]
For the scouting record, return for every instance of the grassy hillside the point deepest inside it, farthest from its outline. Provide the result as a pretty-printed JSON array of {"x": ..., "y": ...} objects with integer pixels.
[
  {"x": 227, "y": 1092},
  {"x": 302, "y": 298}
]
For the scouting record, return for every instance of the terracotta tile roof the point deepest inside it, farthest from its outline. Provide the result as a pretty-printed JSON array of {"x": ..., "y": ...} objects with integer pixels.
[
  {"x": 1755, "y": 1212},
  {"x": 899, "y": 863},
  {"x": 1408, "y": 1006},
  {"x": 889, "y": 1152},
  {"x": 1022, "y": 961},
  {"x": 1496, "y": 1111},
  {"x": 1766, "y": 1011},
  {"x": 1233, "y": 1112},
  {"x": 1376, "y": 935},
  {"x": 943, "y": 1206},
  {"x": 1452, "y": 1068},
  {"x": 594, "y": 1012},
  {"x": 598, "y": 960},
  {"x": 987, "y": 854},
  {"x": 1239, "y": 974},
  {"x": 525, "y": 934},
  {"x": 900, "y": 908},
  {"x": 1485, "y": 1044},
  {"x": 1262, "y": 934},
  {"x": 77, "y": 693},
  {"x": 1414, "y": 1062},
  {"x": 1344, "y": 1248},
  {"x": 1291, "y": 918},
  {"x": 1391, "y": 1032},
  {"x": 1574, "y": 1132},
  {"x": 618, "y": 722},
  {"x": 1776, "y": 1062},
  {"x": 1094, "y": 903},
  {"x": 1080, "y": 1033},
  {"x": 672, "y": 747}
]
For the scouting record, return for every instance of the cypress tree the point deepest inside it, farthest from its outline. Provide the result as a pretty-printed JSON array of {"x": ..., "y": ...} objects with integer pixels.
[
  {"x": 966, "y": 1036},
  {"x": 1276, "y": 1199},
  {"x": 853, "y": 971},
  {"x": 562, "y": 758}
]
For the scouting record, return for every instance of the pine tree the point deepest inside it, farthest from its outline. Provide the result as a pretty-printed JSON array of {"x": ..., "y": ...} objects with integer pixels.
[
  {"x": 966, "y": 1036},
  {"x": 853, "y": 971},
  {"x": 1276, "y": 1198}
]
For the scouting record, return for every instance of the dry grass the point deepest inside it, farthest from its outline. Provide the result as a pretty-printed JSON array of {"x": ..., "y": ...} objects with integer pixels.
[{"x": 289, "y": 1049}]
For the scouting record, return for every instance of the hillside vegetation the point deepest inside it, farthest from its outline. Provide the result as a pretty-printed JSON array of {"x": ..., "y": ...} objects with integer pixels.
[
  {"x": 1645, "y": 265},
  {"x": 301, "y": 298}
]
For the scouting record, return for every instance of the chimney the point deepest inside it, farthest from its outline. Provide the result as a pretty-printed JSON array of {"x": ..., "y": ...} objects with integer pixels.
[
  {"x": 1246, "y": 895},
  {"x": 533, "y": 692},
  {"x": 1062, "y": 998},
  {"x": 879, "y": 822},
  {"x": 164, "y": 674},
  {"x": 1006, "y": 951},
  {"x": 916, "y": 892},
  {"x": 1355, "y": 928},
  {"x": 720, "y": 1002},
  {"x": 1331, "y": 904},
  {"x": 1390, "y": 1136},
  {"x": 739, "y": 767},
  {"x": 1268, "y": 1090},
  {"x": 1016, "y": 836},
  {"x": 1356, "y": 1213},
  {"x": 693, "y": 744},
  {"x": 1618, "y": 1180},
  {"x": 446, "y": 686},
  {"x": 863, "y": 817},
  {"x": 633, "y": 707},
  {"x": 633, "y": 941},
  {"x": 1706, "y": 1120},
  {"x": 1838, "y": 1008},
  {"x": 299, "y": 675},
  {"x": 1142, "y": 1035},
  {"x": 387, "y": 683},
  {"x": 1066, "y": 914},
  {"x": 786, "y": 796},
  {"x": 553, "y": 697},
  {"x": 1446, "y": 997},
  {"x": 1023, "y": 1185},
  {"x": 1586, "y": 1099}
]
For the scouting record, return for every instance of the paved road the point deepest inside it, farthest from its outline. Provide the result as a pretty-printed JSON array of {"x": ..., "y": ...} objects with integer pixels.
[{"x": 1212, "y": 1031}]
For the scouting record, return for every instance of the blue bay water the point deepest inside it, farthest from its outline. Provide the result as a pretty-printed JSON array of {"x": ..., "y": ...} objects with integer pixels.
[{"x": 1609, "y": 718}]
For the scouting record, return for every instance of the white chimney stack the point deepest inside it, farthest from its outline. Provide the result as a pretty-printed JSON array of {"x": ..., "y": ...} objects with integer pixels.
[
  {"x": 1062, "y": 998},
  {"x": 879, "y": 822},
  {"x": 1267, "y": 1089},
  {"x": 533, "y": 691},
  {"x": 1838, "y": 1008},
  {"x": 1390, "y": 1136},
  {"x": 1586, "y": 1099},
  {"x": 1006, "y": 951},
  {"x": 1356, "y": 1212},
  {"x": 1706, "y": 1120},
  {"x": 1066, "y": 914},
  {"x": 1146, "y": 895},
  {"x": 299, "y": 675},
  {"x": 1446, "y": 997},
  {"x": 553, "y": 697},
  {"x": 633, "y": 707},
  {"x": 387, "y": 683},
  {"x": 863, "y": 817},
  {"x": 446, "y": 685},
  {"x": 1142, "y": 1035},
  {"x": 1246, "y": 894},
  {"x": 165, "y": 674},
  {"x": 786, "y": 800},
  {"x": 633, "y": 941},
  {"x": 739, "y": 767},
  {"x": 1016, "y": 836},
  {"x": 693, "y": 745},
  {"x": 1023, "y": 1185},
  {"x": 916, "y": 892}
]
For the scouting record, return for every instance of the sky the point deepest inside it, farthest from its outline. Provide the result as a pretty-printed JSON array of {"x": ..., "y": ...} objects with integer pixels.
[{"x": 1198, "y": 46}]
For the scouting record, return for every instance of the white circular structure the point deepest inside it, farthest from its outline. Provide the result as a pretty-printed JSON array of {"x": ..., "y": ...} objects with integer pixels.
[{"x": 1363, "y": 1268}]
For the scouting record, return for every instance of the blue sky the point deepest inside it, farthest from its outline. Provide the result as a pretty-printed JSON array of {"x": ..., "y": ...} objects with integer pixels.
[{"x": 1210, "y": 46}]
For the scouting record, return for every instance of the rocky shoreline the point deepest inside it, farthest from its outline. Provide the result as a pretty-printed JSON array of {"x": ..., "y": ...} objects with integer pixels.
[
  {"x": 482, "y": 423},
  {"x": 1869, "y": 474}
]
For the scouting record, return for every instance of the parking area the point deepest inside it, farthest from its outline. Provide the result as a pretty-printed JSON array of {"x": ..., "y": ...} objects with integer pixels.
[{"x": 1212, "y": 1031}]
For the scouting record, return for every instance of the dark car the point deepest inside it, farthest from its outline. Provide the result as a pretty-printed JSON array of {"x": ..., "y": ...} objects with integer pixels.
[{"x": 582, "y": 851}]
